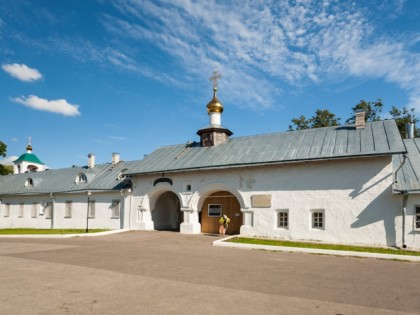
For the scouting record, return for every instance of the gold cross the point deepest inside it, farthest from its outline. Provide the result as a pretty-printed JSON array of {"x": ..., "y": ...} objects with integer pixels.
[{"x": 215, "y": 77}]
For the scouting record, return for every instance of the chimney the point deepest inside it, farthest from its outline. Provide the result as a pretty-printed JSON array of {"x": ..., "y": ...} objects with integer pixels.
[
  {"x": 91, "y": 161},
  {"x": 409, "y": 127},
  {"x": 360, "y": 119},
  {"x": 115, "y": 158}
]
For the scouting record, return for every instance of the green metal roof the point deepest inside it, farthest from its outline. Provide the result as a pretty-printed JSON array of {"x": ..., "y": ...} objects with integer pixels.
[
  {"x": 100, "y": 178},
  {"x": 28, "y": 157},
  {"x": 338, "y": 142},
  {"x": 408, "y": 176}
]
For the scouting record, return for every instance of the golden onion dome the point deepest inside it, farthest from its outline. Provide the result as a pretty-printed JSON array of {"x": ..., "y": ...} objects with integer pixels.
[{"x": 214, "y": 106}]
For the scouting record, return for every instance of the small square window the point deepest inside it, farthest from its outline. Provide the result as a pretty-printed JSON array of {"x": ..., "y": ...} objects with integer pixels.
[
  {"x": 318, "y": 219},
  {"x": 282, "y": 219},
  {"x": 418, "y": 217},
  {"x": 215, "y": 210}
]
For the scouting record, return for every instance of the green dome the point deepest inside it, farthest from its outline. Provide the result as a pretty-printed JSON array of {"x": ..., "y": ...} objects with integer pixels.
[{"x": 28, "y": 157}]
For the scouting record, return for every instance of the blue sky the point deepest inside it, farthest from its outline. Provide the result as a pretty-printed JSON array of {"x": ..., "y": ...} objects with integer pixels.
[{"x": 125, "y": 76}]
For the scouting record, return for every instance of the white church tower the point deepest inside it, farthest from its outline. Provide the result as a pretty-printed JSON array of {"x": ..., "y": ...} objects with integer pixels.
[{"x": 28, "y": 162}]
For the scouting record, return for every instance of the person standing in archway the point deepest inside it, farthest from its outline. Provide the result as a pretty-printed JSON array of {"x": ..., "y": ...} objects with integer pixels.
[{"x": 224, "y": 223}]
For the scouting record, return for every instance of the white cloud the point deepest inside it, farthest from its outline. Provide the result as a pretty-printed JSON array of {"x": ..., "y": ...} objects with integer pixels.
[
  {"x": 257, "y": 44},
  {"x": 8, "y": 160},
  {"x": 22, "y": 72},
  {"x": 60, "y": 106}
]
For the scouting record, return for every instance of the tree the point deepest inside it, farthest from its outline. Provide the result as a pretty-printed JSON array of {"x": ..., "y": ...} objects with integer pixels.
[
  {"x": 402, "y": 118},
  {"x": 322, "y": 118},
  {"x": 4, "y": 170},
  {"x": 372, "y": 111}
]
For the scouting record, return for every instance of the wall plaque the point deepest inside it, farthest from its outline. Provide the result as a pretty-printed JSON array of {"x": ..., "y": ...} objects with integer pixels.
[{"x": 261, "y": 201}]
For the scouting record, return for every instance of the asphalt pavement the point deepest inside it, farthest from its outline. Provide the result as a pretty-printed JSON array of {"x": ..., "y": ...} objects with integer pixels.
[{"x": 170, "y": 273}]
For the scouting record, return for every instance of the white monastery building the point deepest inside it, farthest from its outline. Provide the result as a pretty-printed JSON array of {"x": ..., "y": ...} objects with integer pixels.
[{"x": 349, "y": 184}]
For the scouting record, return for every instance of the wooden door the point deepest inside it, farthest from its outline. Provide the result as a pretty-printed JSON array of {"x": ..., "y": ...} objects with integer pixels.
[{"x": 229, "y": 205}]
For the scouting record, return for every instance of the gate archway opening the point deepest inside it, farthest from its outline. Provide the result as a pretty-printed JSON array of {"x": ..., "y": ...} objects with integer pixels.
[
  {"x": 166, "y": 214},
  {"x": 216, "y": 205}
]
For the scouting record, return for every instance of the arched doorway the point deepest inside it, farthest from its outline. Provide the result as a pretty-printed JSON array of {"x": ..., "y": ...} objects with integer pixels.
[
  {"x": 216, "y": 205},
  {"x": 166, "y": 214}
]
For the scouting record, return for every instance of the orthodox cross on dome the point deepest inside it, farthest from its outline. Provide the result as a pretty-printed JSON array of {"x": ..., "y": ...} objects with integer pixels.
[
  {"x": 215, "y": 77},
  {"x": 29, "y": 140}
]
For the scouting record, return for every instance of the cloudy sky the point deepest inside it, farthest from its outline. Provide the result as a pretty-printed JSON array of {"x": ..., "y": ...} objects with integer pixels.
[{"x": 127, "y": 76}]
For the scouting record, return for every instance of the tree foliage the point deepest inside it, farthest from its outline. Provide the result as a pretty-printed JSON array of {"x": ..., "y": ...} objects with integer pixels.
[
  {"x": 322, "y": 118},
  {"x": 402, "y": 118},
  {"x": 372, "y": 111},
  {"x": 4, "y": 169}
]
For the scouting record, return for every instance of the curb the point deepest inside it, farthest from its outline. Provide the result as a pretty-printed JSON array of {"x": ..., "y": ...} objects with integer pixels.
[
  {"x": 64, "y": 235},
  {"x": 223, "y": 243}
]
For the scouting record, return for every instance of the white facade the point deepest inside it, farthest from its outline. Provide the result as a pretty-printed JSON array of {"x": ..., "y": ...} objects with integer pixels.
[
  {"x": 354, "y": 195},
  {"x": 64, "y": 211}
]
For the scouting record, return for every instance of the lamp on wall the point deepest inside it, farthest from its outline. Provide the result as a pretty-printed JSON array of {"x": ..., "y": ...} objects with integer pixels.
[{"x": 89, "y": 193}]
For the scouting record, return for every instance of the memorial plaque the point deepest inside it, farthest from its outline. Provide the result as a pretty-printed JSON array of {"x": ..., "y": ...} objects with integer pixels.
[{"x": 261, "y": 201}]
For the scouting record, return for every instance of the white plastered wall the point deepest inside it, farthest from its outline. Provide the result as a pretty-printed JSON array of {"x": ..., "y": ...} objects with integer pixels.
[
  {"x": 103, "y": 213},
  {"x": 354, "y": 194}
]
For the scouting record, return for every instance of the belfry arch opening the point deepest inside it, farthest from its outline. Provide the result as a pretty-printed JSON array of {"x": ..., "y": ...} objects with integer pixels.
[
  {"x": 217, "y": 204},
  {"x": 166, "y": 213}
]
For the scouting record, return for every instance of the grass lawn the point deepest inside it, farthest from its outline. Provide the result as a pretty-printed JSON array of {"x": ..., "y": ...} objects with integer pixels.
[
  {"x": 47, "y": 231},
  {"x": 259, "y": 241}
]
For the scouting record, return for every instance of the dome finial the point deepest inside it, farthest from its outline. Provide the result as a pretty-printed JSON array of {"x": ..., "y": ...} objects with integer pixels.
[
  {"x": 215, "y": 77},
  {"x": 29, "y": 146},
  {"x": 215, "y": 106}
]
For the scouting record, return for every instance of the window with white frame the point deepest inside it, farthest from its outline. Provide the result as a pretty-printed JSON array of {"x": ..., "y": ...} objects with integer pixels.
[
  {"x": 67, "y": 210},
  {"x": 34, "y": 210},
  {"x": 282, "y": 218},
  {"x": 29, "y": 182},
  {"x": 91, "y": 209},
  {"x": 48, "y": 210},
  {"x": 318, "y": 219},
  {"x": 21, "y": 207},
  {"x": 7, "y": 210},
  {"x": 115, "y": 209},
  {"x": 417, "y": 223},
  {"x": 215, "y": 210},
  {"x": 81, "y": 178}
]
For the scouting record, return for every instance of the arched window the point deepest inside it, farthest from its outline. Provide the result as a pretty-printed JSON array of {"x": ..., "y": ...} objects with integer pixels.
[
  {"x": 81, "y": 178},
  {"x": 29, "y": 182},
  {"x": 32, "y": 168}
]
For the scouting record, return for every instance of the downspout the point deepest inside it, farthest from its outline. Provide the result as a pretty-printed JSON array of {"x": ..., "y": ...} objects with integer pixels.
[
  {"x": 405, "y": 198},
  {"x": 122, "y": 212},
  {"x": 404, "y": 211},
  {"x": 52, "y": 210},
  {"x": 399, "y": 167}
]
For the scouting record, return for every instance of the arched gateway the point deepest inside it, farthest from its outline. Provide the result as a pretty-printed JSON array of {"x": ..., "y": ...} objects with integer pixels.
[
  {"x": 166, "y": 213},
  {"x": 216, "y": 205}
]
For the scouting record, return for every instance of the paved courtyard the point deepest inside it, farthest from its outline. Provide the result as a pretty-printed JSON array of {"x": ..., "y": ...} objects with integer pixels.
[{"x": 170, "y": 273}]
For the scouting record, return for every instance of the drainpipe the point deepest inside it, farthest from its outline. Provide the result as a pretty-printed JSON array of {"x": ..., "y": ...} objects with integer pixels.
[
  {"x": 89, "y": 193},
  {"x": 404, "y": 211},
  {"x": 52, "y": 210},
  {"x": 399, "y": 167},
  {"x": 405, "y": 198}
]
